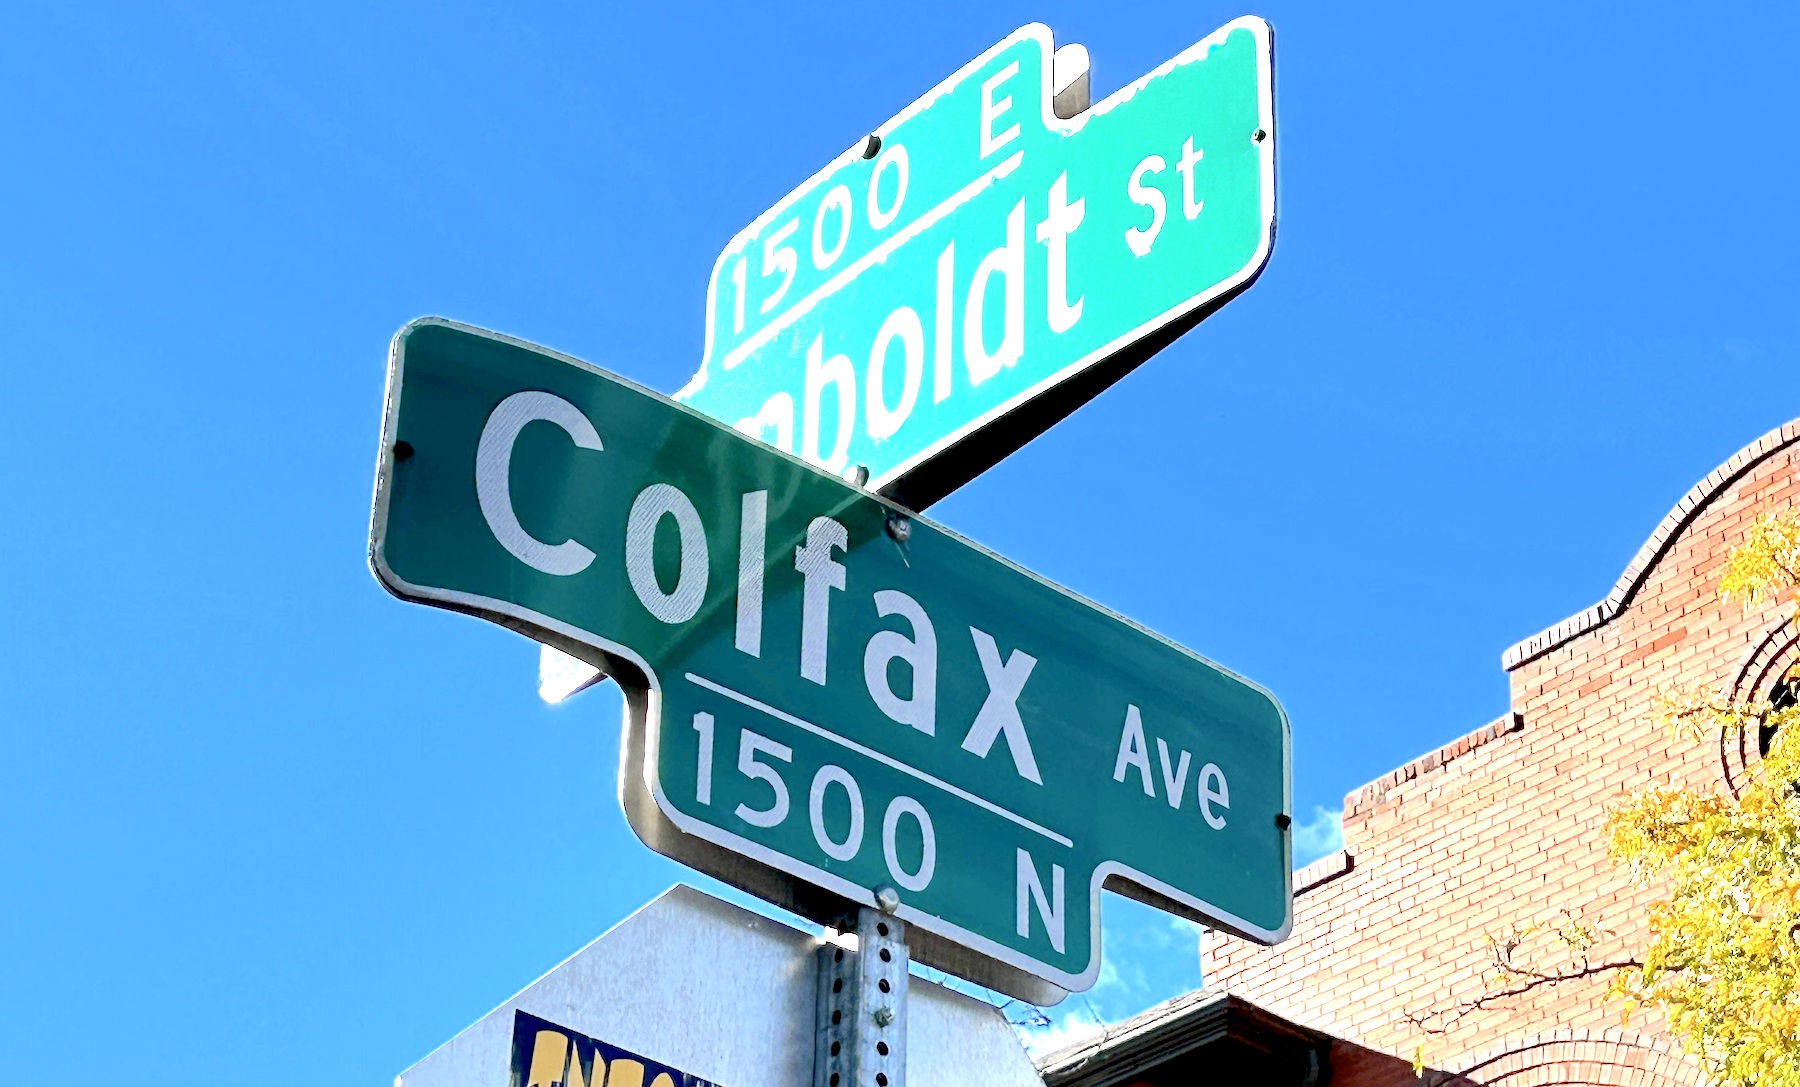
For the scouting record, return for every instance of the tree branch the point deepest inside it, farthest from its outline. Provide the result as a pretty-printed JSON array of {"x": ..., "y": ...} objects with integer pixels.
[{"x": 1525, "y": 979}]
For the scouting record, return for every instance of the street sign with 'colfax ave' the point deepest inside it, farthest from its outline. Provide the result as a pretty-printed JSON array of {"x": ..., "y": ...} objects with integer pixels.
[
  {"x": 980, "y": 266},
  {"x": 829, "y": 700}
]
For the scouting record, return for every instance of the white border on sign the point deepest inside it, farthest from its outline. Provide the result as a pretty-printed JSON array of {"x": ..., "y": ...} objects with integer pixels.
[
  {"x": 639, "y": 741},
  {"x": 1041, "y": 34}
]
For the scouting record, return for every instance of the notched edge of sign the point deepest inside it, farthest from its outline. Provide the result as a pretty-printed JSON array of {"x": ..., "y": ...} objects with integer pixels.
[
  {"x": 978, "y": 445},
  {"x": 795, "y": 886},
  {"x": 1045, "y": 38}
]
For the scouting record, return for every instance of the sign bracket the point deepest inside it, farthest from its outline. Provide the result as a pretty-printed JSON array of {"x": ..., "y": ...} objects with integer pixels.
[{"x": 861, "y": 1035}]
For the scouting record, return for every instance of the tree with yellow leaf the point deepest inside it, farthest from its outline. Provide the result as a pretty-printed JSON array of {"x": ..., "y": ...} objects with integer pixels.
[
  {"x": 1722, "y": 956},
  {"x": 1722, "y": 959}
]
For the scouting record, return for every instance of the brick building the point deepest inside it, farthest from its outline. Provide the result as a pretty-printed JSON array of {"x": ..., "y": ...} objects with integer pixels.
[{"x": 1500, "y": 828}]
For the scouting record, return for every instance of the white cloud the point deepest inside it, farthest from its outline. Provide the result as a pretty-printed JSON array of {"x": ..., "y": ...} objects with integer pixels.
[
  {"x": 1067, "y": 1031},
  {"x": 560, "y": 675},
  {"x": 1147, "y": 956},
  {"x": 1323, "y": 834}
]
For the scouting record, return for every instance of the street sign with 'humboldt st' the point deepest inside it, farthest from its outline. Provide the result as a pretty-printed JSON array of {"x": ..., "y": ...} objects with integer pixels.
[
  {"x": 978, "y": 268},
  {"x": 825, "y": 697}
]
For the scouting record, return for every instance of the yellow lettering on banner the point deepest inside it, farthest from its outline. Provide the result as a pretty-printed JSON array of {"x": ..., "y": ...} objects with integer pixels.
[
  {"x": 549, "y": 1057},
  {"x": 625, "y": 1073},
  {"x": 576, "y": 1079},
  {"x": 662, "y": 1080}
]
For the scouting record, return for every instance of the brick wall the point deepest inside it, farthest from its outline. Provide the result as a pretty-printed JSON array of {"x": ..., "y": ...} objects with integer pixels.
[{"x": 1504, "y": 827}]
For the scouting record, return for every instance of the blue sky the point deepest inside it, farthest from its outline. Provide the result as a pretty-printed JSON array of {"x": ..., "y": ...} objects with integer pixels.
[{"x": 1535, "y": 276}]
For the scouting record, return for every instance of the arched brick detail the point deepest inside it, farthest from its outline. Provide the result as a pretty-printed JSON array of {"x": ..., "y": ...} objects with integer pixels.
[
  {"x": 1615, "y": 1058},
  {"x": 1764, "y": 664},
  {"x": 1504, "y": 830},
  {"x": 1697, "y": 499}
]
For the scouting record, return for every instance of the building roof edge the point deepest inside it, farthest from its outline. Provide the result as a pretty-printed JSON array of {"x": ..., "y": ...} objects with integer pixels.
[
  {"x": 1638, "y": 571},
  {"x": 1126, "y": 1050},
  {"x": 1376, "y": 792}
]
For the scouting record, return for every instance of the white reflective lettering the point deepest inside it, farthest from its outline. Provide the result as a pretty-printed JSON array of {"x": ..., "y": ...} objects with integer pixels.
[
  {"x": 838, "y": 198},
  {"x": 653, "y": 503},
  {"x": 1060, "y": 222},
  {"x": 753, "y": 527},
  {"x": 920, "y": 654},
  {"x": 1140, "y": 239},
  {"x": 821, "y": 372},
  {"x": 1213, "y": 791},
  {"x": 815, "y": 808},
  {"x": 903, "y": 325},
  {"x": 493, "y": 478},
  {"x": 749, "y": 746},
  {"x": 1132, "y": 751},
  {"x": 918, "y": 879},
  {"x": 940, "y": 323},
  {"x": 892, "y": 159},
  {"x": 821, "y": 574},
  {"x": 1174, "y": 784},
  {"x": 1000, "y": 711},
  {"x": 703, "y": 724},
  {"x": 779, "y": 258},
  {"x": 1008, "y": 262},
  {"x": 1050, "y": 907},
  {"x": 992, "y": 109},
  {"x": 1190, "y": 207}
]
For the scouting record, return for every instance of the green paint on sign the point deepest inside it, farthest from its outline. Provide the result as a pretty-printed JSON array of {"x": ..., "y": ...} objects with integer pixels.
[
  {"x": 824, "y": 692},
  {"x": 935, "y": 298}
]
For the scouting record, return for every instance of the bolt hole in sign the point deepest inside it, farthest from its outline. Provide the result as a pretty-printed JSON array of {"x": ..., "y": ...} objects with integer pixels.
[{"x": 829, "y": 700}]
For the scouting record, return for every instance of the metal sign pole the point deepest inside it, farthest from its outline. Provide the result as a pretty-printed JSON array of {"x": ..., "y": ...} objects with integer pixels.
[{"x": 861, "y": 1036}]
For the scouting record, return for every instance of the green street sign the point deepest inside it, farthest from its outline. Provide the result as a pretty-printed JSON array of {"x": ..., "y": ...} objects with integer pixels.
[
  {"x": 827, "y": 699},
  {"x": 980, "y": 267}
]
